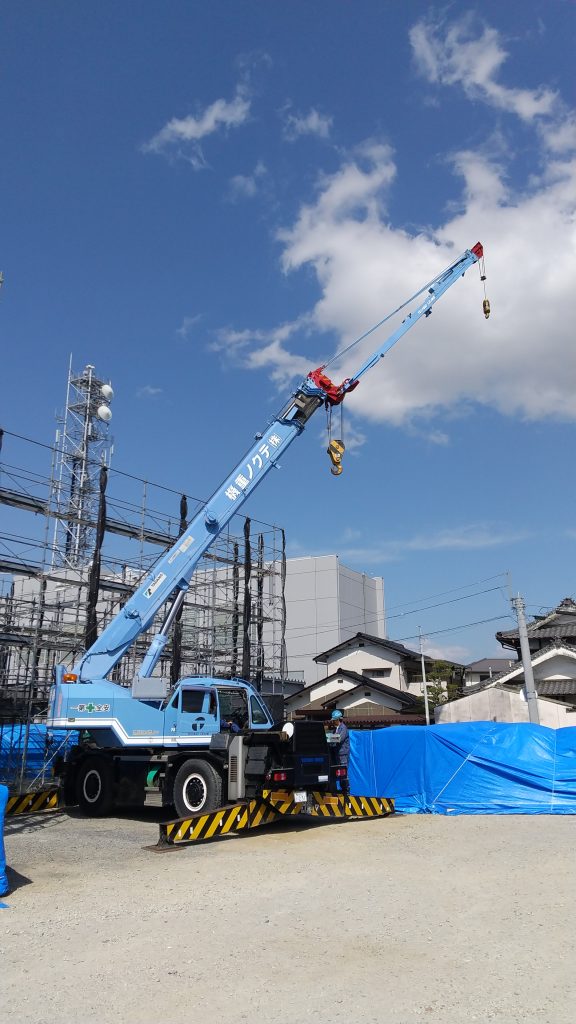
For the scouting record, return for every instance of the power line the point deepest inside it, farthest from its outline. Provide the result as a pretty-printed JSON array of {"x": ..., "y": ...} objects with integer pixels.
[
  {"x": 427, "y": 633},
  {"x": 440, "y": 604},
  {"x": 331, "y": 626},
  {"x": 120, "y": 472},
  {"x": 454, "y": 629},
  {"x": 465, "y": 586}
]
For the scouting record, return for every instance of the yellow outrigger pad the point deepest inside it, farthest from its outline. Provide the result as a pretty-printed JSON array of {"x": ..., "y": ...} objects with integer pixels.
[
  {"x": 29, "y": 803},
  {"x": 270, "y": 807}
]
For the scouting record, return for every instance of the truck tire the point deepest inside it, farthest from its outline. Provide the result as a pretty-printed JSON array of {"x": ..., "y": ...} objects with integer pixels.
[
  {"x": 94, "y": 787},
  {"x": 197, "y": 788}
]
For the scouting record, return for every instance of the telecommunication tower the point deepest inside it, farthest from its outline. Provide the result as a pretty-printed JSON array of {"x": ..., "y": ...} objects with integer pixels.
[{"x": 83, "y": 446}]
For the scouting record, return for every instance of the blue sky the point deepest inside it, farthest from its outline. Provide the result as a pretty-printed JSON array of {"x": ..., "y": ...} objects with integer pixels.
[{"x": 207, "y": 200}]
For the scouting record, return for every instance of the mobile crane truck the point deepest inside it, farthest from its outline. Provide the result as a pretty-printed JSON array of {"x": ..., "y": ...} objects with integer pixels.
[{"x": 210, "y": 740}]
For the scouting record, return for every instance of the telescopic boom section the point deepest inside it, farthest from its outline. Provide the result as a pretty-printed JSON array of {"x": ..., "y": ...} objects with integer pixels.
[
  {"x": 318, "y": 383},
  {"x": 171, "y": 576}
]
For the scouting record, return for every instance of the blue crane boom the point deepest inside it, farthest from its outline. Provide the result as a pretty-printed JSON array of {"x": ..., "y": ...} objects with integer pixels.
[
  {"x": 171, "y": 576},
  {"x": 210, "y": 740}
]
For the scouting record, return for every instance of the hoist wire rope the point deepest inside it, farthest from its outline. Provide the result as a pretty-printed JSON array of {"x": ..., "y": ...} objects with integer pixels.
[{"x": 342, "y": 352}]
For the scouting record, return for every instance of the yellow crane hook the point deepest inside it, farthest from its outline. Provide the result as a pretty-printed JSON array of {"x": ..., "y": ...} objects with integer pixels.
[{"x": 336, "y": 450}]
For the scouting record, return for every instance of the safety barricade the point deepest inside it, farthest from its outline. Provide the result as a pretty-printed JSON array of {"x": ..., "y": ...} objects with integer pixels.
[
  {"x": 270, "y": 807},
  {"x": 29, "y": 803}
]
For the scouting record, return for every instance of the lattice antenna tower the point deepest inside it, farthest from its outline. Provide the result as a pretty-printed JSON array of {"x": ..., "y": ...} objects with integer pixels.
[{"x": 83, "y": 445}]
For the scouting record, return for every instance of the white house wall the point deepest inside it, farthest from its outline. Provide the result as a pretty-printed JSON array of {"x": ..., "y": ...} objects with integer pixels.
[
  {"x": 559, "y": 666},
  {"x": 379, "y": 700},
  {"x": 495, "y": 705},
  {"x": 320, "y": 692},
  {"x": 369, "y": 657}
]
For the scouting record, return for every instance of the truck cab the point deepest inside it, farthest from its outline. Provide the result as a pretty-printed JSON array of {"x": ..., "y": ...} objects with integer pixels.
[{"x": 196, "y": 709}]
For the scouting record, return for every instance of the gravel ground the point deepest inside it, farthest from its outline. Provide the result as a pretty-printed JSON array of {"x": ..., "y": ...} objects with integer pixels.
[{"x": 395, "y": 921}]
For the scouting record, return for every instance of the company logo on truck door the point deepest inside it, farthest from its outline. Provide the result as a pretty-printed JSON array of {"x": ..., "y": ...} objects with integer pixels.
[
  {"x": 159, "y": 579},
  {"x": 91, "y": 708},
  {"x": 241, "y": 481}
]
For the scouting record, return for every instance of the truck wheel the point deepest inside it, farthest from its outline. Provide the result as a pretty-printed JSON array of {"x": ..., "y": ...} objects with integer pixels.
[
  {"x": 94, "y": 792},
  {"x": 197, "y": 788}
]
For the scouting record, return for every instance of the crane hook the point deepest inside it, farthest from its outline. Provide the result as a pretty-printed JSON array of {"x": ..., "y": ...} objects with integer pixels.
[
  {"x": 336, "y": 450},
  {"x": 482, "y": 269}
]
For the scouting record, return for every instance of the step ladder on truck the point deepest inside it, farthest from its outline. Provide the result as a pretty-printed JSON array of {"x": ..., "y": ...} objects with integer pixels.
[{"x": 210, "y": 746}]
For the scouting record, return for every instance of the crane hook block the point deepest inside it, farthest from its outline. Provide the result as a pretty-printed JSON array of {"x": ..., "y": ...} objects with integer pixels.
[
  {"x": 336, "y": 451},
  {"x": 486, "y": 307}
]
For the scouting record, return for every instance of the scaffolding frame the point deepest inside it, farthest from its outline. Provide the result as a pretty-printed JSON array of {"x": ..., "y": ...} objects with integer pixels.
[{"x": 235, "y": 601}]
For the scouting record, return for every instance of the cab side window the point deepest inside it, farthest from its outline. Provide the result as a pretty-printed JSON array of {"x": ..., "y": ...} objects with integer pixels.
[
  {"x": 258, "y": 715},
  {"x": 192, "y": 701}
]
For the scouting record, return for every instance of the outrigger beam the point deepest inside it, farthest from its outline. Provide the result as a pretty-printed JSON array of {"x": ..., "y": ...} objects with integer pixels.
[{"x": 270, "y": 807}]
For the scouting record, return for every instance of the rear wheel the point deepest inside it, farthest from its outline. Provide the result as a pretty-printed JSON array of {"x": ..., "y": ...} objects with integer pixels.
[
  {"x": 197, "y": 788},
  {"x": 94, "y": 783}
]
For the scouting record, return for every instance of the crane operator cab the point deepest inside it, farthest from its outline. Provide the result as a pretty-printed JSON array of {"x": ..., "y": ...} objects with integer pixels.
[{"x": 234, "y": 715}]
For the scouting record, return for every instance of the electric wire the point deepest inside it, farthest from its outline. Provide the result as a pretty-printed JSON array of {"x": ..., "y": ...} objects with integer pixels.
[
  {"x": 426, "y": 633},
  {"x": 200, "y": 502},
  {"x": 408, "y": 605},
  {"x": 453, "y": 590},
  {"x": 330, "y": 627}
]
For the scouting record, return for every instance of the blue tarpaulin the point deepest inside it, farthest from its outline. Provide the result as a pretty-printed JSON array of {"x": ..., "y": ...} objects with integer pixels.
[
  {"x": 41, "y": 745},
  {"x": 467, "y": 768},
  {"x": 3, "y": 876}
]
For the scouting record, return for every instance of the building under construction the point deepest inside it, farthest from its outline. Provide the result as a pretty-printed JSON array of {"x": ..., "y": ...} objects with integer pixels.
[{"x": 78, "y": 536}]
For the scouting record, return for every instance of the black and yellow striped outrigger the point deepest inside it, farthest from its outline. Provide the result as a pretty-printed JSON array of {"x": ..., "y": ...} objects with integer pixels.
[
  {"x": 270, "y": 807},
  {"x": 29, "y": 803}
]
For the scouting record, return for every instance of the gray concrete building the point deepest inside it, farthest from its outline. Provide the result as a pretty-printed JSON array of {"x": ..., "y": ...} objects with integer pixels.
[{"x": 326, "y": 603}]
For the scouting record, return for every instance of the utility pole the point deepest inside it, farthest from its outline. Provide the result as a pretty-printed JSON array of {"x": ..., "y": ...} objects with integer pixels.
[
  {"x": 426, "y": 706},
  {"x": 531, "y": 695}
]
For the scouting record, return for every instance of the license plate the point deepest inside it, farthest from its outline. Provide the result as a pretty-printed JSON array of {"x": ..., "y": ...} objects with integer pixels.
[
  {"x": 322, "y": 778},
  {"x": 300, "y": 796}
]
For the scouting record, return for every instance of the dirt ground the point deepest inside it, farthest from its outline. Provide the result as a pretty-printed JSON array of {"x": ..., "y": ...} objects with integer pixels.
[{"x": 395, "y": 921}]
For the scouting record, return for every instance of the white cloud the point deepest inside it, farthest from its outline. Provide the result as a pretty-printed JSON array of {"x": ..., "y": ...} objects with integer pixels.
[
  {"x": 437, "y": 437},
  {"x": 522, "y": 361},
  {"x": 182, "y": 136},
  {"x": 245, "y": 186},
  {"x": 258, "y": 349},
  {"x": 312, "y": 123},
  {"x": 188, "y": 323},
  {"x": 460, "y": 56},
  {"x": 353, "y": 438},
  {"x": 467, "y": 537},
  {"x": 470, "y": 537},
  {"x": 149, "y": 392},
  {"x": 559, "y": 135},
  {"x": 447, "y": 652}
]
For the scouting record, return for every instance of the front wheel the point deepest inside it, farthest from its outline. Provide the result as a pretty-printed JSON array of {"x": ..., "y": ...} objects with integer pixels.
[
  {"x": 197, "y": 788},
  {"x": 94, "y": 787}
]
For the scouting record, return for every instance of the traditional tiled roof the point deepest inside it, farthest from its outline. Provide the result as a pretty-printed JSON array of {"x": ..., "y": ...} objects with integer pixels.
[
  {"x": 373, "y": 684},
  {"x": 485, "y": 664},
  {"x": 561, "y": 622},
  {"x": 359, "y": 680},
  {"x": 518, "y": 667},
  {"x": 380, "y": 641},
  {"x": 556, "y": 687}
]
